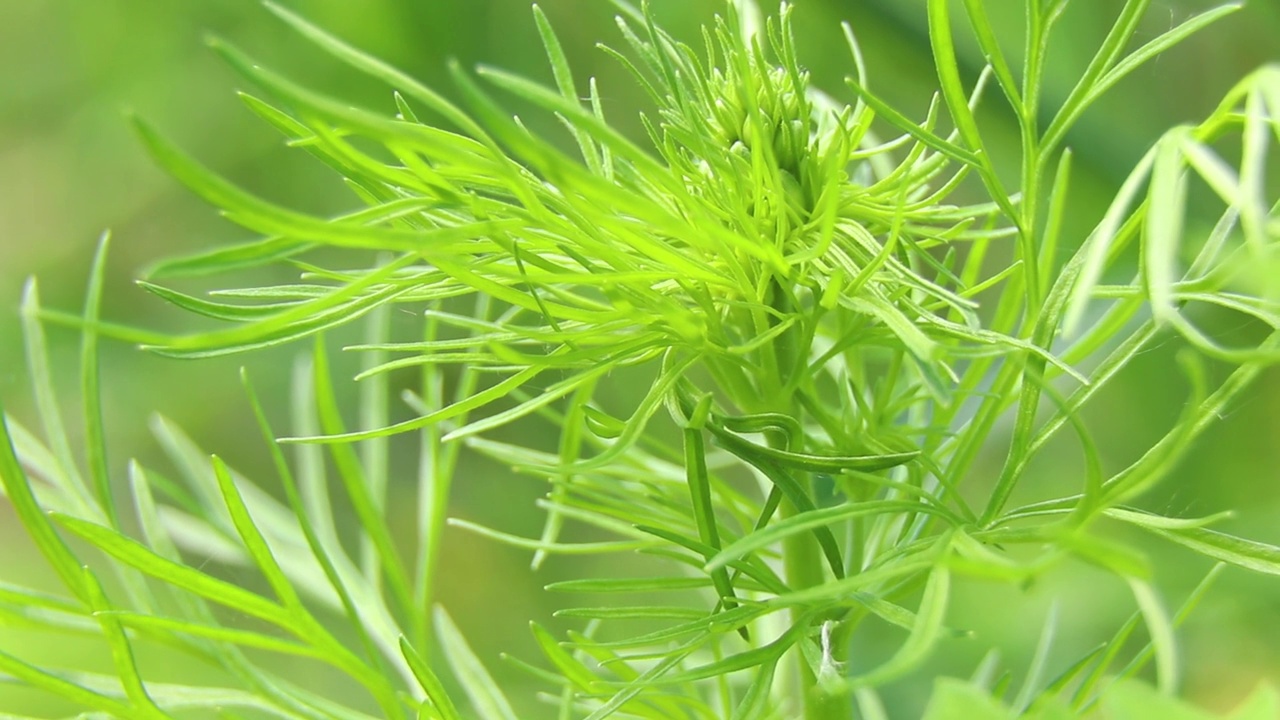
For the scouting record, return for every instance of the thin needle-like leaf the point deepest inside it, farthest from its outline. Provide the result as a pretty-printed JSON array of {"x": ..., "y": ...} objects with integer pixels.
[
  {"x": 488, "y": 700},
  {"x": 95, "y": 432},
  {"x": 144, "y": 708},
  {"x": 436, "y": 694}
]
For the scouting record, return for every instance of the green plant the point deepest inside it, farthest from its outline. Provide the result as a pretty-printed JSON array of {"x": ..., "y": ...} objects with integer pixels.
[{"x": 831, "y": 330}]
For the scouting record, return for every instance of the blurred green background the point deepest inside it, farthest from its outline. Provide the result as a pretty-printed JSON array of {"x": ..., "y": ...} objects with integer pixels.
[{"x": 70, "y": 168}]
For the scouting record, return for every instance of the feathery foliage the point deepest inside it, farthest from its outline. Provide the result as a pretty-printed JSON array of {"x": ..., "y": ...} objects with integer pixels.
[{"x": 834, "y": 323}]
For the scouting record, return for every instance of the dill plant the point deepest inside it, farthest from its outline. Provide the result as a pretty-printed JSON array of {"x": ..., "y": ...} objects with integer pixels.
[{"x": 833, "y": 334}]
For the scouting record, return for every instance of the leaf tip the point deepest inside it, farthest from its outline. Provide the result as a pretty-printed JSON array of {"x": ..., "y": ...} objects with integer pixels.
[{"x": 30, "y": 303}]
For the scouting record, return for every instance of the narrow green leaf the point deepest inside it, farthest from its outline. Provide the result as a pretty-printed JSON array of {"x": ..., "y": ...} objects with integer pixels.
[
  {"x": 551, "y": 394},
  {"x": 870, "y": 704},
  {"x": 644, "y": 612},
  {"x": 253, "y": 540},
  {"x": 259, "y": 215},
  {"x": 959, "y": 104},
  {"x": 1253, "y": 171},
  {"x": 27, "y": 597},
  {"x": 90, "y": 379},
  {"x": 378, "y": 69},
  {"x": 643, "y": 683},
  {"x": 554, "y": 548},
  {"x": 17, "y": 487},
  {"x": 487, "y": 699},
  {"x": 564, "y": 81},
  {"x": 629, "y": 585},
  {"x": 905, "y": 124},
  {"x": 436, "y": 694},
  {"x": 757, "y": 699},
  {"x": 808, "y": 520},
  {"x": 1158, "y": 45},
  {"x": 156, "y": 624},
  {"x": 136, "y": 555},
  {"x": 666, "y": 381},
  {"x": 360, "y": 617},
  {"x": 1071, "y": 676},
  {"x": 752, "y": 567},
  {"x": 46, "y": 399},
  {"x": 144, "y": 708},
  {"x": 372, "y": 517},
  {"x": 699, "y": 482},
  {"x": 1031, "y": 683},
  {"x": 1152, "y": 521},
  {"x": 825, "y": 463},
  {"x": 1248, "y": 554},
  {"x": 343, "y": 304},
  {"x": 1162, "y": 636},
  {"x": 795, "y": 494},
  {"x": 1188, "y": 606},
  {"x": 215, "y": 310},
  {"x": 1163, "y": 228},
  {"x": 944, "y": 57},
  {"x": 571, "y": 442},
  {"x": 916, "y": 648},
  {"x": 765, "y": 654},
  {"x": 189, "y": 699},
  {"x": 41, "y": 679},
  {"x": 1081, "y": 95},
  {"x": 1096, "y": 249},
  {"x": 571, "y": 668},
  {"x": 477, "y": 400},
  {"x": 990, "y": 44},
  {"x": 1053, "y": 225}
]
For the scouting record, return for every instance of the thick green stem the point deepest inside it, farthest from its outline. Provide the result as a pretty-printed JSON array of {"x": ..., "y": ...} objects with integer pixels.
[
  {"x": 802, "y": 555},
  {"x": 803, "y": 564}
]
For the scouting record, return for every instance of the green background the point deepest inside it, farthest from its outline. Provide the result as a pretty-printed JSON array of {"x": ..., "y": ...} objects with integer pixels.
[{"x": 70, "y": 70}]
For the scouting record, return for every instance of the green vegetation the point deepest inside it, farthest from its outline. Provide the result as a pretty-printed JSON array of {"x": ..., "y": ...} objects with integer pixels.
[{"x": 833, "y": 309}]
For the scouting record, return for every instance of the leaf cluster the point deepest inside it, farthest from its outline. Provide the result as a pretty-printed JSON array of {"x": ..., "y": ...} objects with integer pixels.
[{"x": 833, "y": 329}]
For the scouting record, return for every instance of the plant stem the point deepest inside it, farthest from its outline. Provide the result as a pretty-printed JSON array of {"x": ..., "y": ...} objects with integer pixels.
[
  {"x": 802, "y": 557},
  {"x": 803, "y": 567},
  {"x": 803, "y": 561}
]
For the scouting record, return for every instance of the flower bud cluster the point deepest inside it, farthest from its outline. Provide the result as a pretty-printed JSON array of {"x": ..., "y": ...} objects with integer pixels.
[
  {"x": 747, "y": 142},
  {"x": 783, "y": 124}
]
